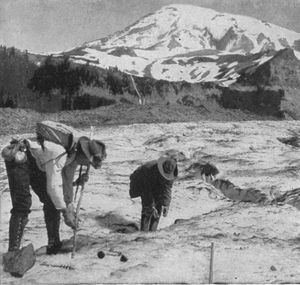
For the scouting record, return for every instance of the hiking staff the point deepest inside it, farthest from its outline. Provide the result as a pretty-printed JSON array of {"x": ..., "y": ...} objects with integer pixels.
[
  {"x": 77, "y": 212},
  {"x": 81, "y": 183},
  {"x": 77, "y": 187}
]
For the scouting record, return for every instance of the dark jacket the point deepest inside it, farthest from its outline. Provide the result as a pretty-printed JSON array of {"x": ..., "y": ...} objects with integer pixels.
[{"x": 150, "y": 185}]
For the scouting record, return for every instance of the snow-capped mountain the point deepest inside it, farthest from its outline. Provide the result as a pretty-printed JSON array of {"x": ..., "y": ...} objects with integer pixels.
[{"x": 190, "y": 43}]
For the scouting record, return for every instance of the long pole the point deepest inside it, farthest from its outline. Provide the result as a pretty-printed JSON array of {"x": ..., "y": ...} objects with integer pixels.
[
  {"x": 77, "y": 187},
  {"x": 79, "y": 201},
  {"x": 211, "y": 264},
  {"x": 77, "y": 217}
]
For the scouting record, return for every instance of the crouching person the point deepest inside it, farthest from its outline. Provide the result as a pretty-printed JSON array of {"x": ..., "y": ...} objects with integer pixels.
[{"x": 153, "y": 182}]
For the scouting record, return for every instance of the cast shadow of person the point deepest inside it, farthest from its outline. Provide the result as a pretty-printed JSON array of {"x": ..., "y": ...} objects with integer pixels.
[{"x": 117, "y": 223}]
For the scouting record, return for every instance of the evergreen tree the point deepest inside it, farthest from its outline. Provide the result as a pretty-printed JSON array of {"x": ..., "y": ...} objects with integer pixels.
[
  {"x": 62, "y": 76},
  {"x": 15, "y": 71},
  {"x": 44, "y": 79}
]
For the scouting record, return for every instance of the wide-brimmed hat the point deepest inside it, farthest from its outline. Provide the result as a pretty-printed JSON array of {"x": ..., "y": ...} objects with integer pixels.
[
  {"x": 91, "y": 147},
  {"x": 167, "y": 167}
]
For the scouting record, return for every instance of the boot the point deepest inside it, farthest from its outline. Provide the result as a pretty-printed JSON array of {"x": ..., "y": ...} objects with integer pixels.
[
  {"x": 54, "y": 243},
  {"x": 153, "y": 224},
  {"x": 17, "y": 224},
  {"x": 145, "y": 223},
  {"x": 52, "y": 220},
  {"x": 154, "y": 219},
  {"x": 17, "y": 261}
]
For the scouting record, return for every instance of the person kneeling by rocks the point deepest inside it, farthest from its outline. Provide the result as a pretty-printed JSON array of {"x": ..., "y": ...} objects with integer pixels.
[{"x": 153, "y": 182}]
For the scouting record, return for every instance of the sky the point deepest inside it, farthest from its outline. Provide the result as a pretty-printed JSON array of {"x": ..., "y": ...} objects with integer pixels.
[{"x": 57, "y": 25}]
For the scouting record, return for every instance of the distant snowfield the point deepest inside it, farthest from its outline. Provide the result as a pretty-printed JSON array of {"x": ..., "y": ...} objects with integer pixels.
[
  {"x": 249, "y": 239},
  {"x": 175, "y": 68}
]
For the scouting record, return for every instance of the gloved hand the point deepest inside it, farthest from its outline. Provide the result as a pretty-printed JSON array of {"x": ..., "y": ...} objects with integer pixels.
[
  {"x": 208, "y": 178},
  {"x": 165, "y": 210},
  {"x": 15, "y": 151},
  {"x": 26, "y": 143},
  {"x": 70, "y": 216},
  {"x": 208, "y": 172},
  {"x": 81, "y": 180},
  {"x": 209, "y": 169}
]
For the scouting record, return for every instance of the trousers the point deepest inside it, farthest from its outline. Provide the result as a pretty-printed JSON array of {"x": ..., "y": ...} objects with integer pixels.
[
  {"x": 22, "y": 177},
  {"x": 150, "y": 216}
]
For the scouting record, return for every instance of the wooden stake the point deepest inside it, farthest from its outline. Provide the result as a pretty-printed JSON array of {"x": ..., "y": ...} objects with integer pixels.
[{"x": 211, "y": 264}]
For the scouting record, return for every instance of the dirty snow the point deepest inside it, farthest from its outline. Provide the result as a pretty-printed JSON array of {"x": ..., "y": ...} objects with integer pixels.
[{"x": 253, "y": 243}]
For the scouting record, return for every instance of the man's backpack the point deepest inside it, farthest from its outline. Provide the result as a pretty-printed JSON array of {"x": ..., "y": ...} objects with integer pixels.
[{"x": 58, "y": 133}]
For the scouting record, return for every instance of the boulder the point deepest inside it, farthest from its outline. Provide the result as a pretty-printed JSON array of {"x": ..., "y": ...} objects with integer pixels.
[{"x": 19, "y": 261}]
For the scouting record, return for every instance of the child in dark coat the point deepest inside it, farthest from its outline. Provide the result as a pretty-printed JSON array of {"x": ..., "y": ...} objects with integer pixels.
[{"x": 153, "y": 182}]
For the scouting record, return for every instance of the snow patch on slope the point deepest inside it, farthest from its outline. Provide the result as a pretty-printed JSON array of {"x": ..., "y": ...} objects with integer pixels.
[{"x": 106, "y": 60}]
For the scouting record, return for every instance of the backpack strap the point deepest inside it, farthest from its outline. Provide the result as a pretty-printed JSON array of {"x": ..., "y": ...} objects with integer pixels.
[
  {"x": 56, "y": 158},
  {"x": 70, "y": 150},
  {"x": 72, "y": 145},
  {"x": 73, "y": 148},
  {"x": 40, "y": 139}
]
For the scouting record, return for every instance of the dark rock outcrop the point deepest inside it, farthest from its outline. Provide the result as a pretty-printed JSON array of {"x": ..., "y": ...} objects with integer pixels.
[
  {"x": 283, "y": 69},
  {"x": 271, "y": 88},
  {"x": 257, "y": 100}
]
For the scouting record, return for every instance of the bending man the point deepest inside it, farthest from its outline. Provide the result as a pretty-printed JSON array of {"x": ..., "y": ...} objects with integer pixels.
[
  {"x": 153, "y": 182},
  {"x": 50, "y": 173}
]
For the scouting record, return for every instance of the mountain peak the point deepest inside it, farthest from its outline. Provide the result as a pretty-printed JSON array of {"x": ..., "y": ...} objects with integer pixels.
[
  {"x": 194, "y": 28},
  {"x": 188, "y": 43}
]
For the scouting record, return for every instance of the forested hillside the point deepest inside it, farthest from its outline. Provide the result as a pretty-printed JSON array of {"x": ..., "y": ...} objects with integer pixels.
[
  {"x": 51, "y": 84},
  {"x": 55, "y": 83},
  {"x": 15, "y": 71}
]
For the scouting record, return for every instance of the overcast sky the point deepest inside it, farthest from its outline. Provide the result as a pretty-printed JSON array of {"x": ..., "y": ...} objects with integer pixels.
[{"x": 57, "y": 25}]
